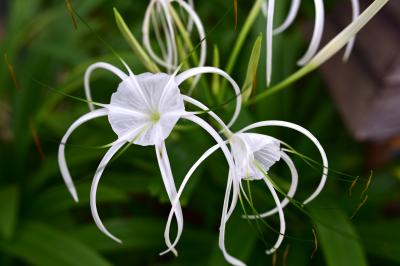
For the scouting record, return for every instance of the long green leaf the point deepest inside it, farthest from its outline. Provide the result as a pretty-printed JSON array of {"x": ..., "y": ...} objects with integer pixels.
[
  {"x": 381, "y": 239},
  {"x": 336, "y": 236},
  {"x": 252, "y": 68},
  {"x": 37, "y": 244},
  {"x": 134, "y": 44},
  {"x": 9, "y": 205}
]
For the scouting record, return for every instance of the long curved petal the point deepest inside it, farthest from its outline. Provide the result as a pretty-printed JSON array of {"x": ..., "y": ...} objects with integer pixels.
[
  {"x": 233, "y": 180},
  {"x": 202, "y": 36},
  {"x": 224, "y": 219},
  {"x": 281, "y": 217},
  {"x": 61, "y": 149},
  {"x": 203, "y": 70},
  {"x": 269, "y": 38},
  {"x": 170, "y": 63},
  {"x": 117, "y": 145},
  {"x": 189, "y": 174},
  {"x": 293, "y": 11},
  {"x": 205, "y": 108},
  {"x": 308, "y": 135},
  {"x": 317, "y": 35},
  {"x": 355, "y": 4},
  {"x": 93, "y": 206},
  {"x": 88, "y": 73},
  {"x": 290, "y": 194},
  {"x": 166, "y": 173}
]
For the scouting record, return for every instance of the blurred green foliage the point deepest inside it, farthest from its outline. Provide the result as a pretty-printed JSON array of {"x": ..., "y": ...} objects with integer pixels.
[{"x": 41, "y": 225}]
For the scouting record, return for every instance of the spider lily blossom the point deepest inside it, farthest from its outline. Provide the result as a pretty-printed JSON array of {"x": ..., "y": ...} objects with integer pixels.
[
  {"x": 268, "y": 9},
  {"x": 254, "y": 154},
  {"x": 143, "y": 111},
  {"x": 160, "y": 12}
]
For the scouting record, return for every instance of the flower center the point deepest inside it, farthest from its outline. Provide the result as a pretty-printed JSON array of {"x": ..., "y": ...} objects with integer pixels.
[{"x": 155, "y": 117}]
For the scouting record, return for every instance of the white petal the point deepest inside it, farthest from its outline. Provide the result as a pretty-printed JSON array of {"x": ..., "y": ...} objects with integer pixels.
[
  {"x": 356, "y": 12},
  {"x": 202, "y": 158},
  {"x": 250, "y": 147},
  {"x": 269, "y": 38},
  {"x": 104, "y": 162},
  {"x": 168, "y": 63},
  {"x": 61, "y": 149},
  {"x": 294, "y": 10},
  {"x": 202, "y": 36},
  {"x": 202, "y": 70},
  {"x": 308, "y": 135},
  {"x": 154, "y": 94},
  {"x": 317, "y": 35},
  {"x": 290, "y": 194},
  {"x": 166, "y": 173},
  {"x": 233, "y": 181},
  {"x": 205, "y": 108},
  {"x": 88, "y": 73},
  {"x": 281, "y": 217},
  {"x": 93, "y": 206},
  {"x": 224, "y": 219}
]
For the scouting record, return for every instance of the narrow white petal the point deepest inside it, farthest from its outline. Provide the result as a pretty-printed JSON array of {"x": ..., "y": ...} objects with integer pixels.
[
  {"x": 233, "y": 180},
  {"x": 281, "y": 217},
  {"x": 189, "y": 174},
  {"x": 88, "y": 73},
  {"x": 172, "y": 41},
  {"x": 356, "y": 12},
  {"x": 224, "y": 219},
  {"x": 269, "y": 38},
  {"x": 93, "y": 206},
  {"x": 190, "y": 19},
  {"x": 294, "y": 10},
  {"x": 317, "y": 35},
  {"x": 99, "y": 172},
  {"x": 308, "y": 135},
  {"x": 61, "y": 149},
  {"x": 168, "y": 180},
  {"x": 345, "y": 35},
  {"x": 202, "y": 36},
  {"x": 203, "y": 70},
  {"x": 205, "y": 108},
  {"x": 167, "y": 63},
  {"x": 290, "y": 194}
]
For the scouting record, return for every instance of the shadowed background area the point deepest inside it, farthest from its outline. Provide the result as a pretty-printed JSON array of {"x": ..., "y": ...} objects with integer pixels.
[{"x": 352, "y": 108}]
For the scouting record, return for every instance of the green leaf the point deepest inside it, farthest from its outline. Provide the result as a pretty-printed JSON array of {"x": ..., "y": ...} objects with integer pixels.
[
  {"x": 252, "y": 68},
  {"x": 381, "y": 239},
  {"x": 137, "y": 234},
  {"x": 133, "y": 43},
  {"x": 9, "y": 205},
  {"x": 336, "y": 235},
  {"x": 216, "y": 78},
  {"x": 38, "y": 244}
]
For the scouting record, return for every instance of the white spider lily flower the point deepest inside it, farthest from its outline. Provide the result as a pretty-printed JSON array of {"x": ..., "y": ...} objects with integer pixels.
[
  {"x": 254, "y": 155},
  {"x": 143, "y": 111},
  {"x": 268, "y": 9},
  {"x": 159, "y": 12}
]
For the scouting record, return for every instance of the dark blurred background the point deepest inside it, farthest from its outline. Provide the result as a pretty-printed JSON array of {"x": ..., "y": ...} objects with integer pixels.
[{"x": 352, "y": 108}]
